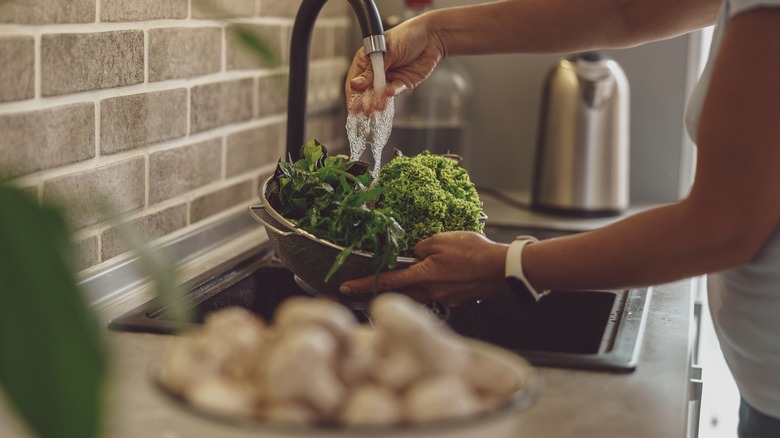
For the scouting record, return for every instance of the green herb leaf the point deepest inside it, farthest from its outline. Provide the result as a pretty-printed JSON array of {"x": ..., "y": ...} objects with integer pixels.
[{"x": 328, "y": 196}]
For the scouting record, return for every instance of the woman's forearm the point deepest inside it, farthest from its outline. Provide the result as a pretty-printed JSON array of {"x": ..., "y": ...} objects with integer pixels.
[
  {"x": 558, "y": 26},
  {"x": 673, "y": 242}
]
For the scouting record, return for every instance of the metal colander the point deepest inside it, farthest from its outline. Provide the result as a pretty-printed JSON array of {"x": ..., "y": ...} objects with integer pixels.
[{"x": 309, "y": 257}]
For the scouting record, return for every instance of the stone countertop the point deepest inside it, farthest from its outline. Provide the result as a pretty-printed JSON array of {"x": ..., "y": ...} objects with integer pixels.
[{"x": 650, "y": 402}]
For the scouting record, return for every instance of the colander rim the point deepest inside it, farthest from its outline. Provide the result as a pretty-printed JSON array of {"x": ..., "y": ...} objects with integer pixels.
[{"x": 290, "y": 226}]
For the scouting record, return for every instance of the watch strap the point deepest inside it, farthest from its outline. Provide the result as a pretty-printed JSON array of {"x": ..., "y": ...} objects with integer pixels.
[{"x": 513, "y": 271}]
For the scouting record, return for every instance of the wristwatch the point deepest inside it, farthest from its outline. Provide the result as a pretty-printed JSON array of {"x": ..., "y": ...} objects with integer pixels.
[{"x": 513, "y": 271}]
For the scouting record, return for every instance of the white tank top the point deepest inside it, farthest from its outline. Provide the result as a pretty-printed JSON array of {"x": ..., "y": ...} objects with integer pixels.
[{"x": 745, "y": 301}]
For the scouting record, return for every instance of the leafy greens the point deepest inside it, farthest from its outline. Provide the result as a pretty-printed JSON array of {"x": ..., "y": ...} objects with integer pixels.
[
  {"x": 330, "y": 197},
  {"x": 429, "y": 194}
]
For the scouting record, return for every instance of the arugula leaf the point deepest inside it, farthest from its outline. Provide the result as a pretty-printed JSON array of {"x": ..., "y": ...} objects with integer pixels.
[{"x": 329, "y": 197}]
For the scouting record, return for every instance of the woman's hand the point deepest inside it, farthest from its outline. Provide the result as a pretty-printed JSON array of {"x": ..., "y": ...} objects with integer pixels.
[
  {"x": 455, "y": 267},
  {"x": 412, "y": 53}
]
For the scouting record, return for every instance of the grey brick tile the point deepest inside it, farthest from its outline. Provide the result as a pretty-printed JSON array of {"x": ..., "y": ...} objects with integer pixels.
[
  {"x": 142, "y": 10},
  {"x": 184, "y": 52},
  {"x": 223, "y": 8},
  {"x": 216, "y": 202},
  {"x": 44, "y": 139},
  {"x": 177, "y": 171},
  {"x": 95, "y": 195},
  {"x": 251, "y": 149},
  {"x": 130, "y": 122},
  {"x": 17, "y": 71},
  {"x": 280, "y": 8},
  {"x": 272, "y": 95},
  {"x": 77, "y": 62},
  {"x": 144, "y": 229},
  {"x": 220, "y": 104},
  {"x": 85, "y": 253},
  {"x": 242, "y": 57},
  {"x": 47, "y": 11}
]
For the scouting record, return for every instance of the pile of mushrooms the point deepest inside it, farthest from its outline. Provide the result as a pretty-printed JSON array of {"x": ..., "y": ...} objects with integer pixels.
[{"x": 317, "y": 364}]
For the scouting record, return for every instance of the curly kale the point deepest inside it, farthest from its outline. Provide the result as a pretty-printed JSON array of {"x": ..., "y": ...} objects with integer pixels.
[{"x": 429, "y": 194}]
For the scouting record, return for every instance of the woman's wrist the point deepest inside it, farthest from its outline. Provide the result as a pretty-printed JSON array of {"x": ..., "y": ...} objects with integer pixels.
[
  {"x": 430, "y": 24},
  {"x": 514, "y": 271}
]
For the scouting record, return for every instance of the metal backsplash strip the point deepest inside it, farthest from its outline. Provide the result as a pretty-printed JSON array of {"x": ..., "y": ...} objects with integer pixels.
[{"x": 129, "y": 273}]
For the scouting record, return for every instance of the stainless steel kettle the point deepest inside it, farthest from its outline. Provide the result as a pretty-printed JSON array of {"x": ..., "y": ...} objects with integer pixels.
[{"x": 582, "y": 155}]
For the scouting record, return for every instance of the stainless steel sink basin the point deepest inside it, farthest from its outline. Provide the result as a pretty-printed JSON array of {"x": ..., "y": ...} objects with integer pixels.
[{"x": 589, "y": 329}]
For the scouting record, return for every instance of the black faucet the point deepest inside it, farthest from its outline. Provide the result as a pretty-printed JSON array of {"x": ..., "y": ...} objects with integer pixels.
[{"x": 300, "y": 45}]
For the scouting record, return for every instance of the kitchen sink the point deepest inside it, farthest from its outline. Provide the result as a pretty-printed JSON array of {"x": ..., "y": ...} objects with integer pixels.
[{"x": 598, "y": 330}]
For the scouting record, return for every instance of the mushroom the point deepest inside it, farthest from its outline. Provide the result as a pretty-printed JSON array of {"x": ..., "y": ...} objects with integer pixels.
[
  {"x": 438, "y": 347},
  {"x": 399, "y": 367},
  {"x": 322, "y": 311},
  {"x": 372, "y": 405},
  {"x": 222, "y": 396},
  {"x": 440, "y": 397},
  {"x": 301, "y": 367},
  {"x": 191, "y": 358},
  {"x": 237, "y": 325},
  {"x": 493, "y": 378},
  {"x": 362, "y": 348},
  {"x": 245, "y": 334}
]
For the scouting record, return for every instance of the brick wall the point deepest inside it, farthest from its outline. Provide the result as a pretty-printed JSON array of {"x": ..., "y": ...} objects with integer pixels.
[{"x": 154, "y": 108}]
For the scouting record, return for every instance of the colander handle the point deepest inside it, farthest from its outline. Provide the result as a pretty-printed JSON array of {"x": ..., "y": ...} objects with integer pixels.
[{"x": 268, "y": 226}]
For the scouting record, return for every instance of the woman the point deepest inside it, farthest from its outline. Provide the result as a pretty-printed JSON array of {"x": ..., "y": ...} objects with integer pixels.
[{"x": 728, "y": 225}]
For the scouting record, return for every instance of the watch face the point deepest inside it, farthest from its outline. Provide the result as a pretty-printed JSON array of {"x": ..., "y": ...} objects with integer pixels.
[{"x": 519, "y": 290}]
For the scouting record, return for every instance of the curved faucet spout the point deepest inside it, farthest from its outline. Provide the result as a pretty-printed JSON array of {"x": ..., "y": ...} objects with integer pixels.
[{"x": 373, "y": 40}]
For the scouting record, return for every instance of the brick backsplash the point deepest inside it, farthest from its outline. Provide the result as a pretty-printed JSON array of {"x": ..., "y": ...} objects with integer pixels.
[
  {"x": 142, "y": 10},
  {"x": 145, "y": 229},
  {"x": 215, "y": 202},
  {"x": 96, "y": 195},
  {"x": 17, "y": 78},
  {"x": 288, "y": 9},
  {"x": 181, "y": 170},
  {"x": 137, "y": 120},
  {"x": 240, "y": 58},
  {"x": 223, "y": 8},
  {"x": 151, "y": 109},
  {"x": 60, "y": 135},
  {"x": 250, "y": 149},
  {"x": 272, "y": 94},
  {"x": 182, "y": 52},
  {"x": 221, "y": 103},
  {"x": 85, "y": 253},
  {"x": 47, "y": 11},
  {"x": 73, "y": 62}
]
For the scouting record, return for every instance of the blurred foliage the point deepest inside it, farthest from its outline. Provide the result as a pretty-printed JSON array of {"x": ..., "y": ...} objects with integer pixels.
[
  {"x": 52, "y": 361},
  {"x": 255, "y": 44}
]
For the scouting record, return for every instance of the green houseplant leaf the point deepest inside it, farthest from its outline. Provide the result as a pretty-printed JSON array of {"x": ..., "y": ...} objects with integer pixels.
[{"x": 52, "y": 361}]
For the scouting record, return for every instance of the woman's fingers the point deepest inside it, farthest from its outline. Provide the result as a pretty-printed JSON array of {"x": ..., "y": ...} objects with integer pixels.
[
  {"x": 359, "y": 78},
  {"x": 395, "y": 88},
  {"x": 397, "y": 280}
]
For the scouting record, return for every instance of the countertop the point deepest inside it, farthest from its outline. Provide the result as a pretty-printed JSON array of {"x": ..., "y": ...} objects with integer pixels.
[{"x": 652, "y": 401}]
